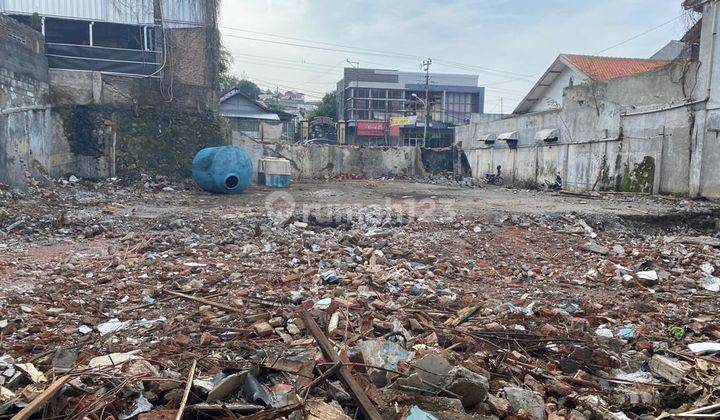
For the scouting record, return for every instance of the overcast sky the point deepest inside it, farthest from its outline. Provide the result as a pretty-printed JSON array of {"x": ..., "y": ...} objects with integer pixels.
[{"x": 508, "y": 43}]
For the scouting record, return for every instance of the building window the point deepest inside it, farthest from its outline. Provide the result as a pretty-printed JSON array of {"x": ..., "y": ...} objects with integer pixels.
[
  {"x": 114, "y": 35},
  {"x": 64, "y": 31},
  {"x": 396, "y": 94},
  {"x": 246, "y": 125},
  {"x": 378, "y": 93}
]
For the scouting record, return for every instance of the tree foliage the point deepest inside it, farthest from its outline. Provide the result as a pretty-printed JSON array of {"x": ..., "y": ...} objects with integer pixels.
[
  {"x": 274, "y": 104},
  {"x": 327, "y": 107}
]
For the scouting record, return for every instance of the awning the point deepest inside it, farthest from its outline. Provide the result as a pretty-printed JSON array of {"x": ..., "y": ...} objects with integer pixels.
[
  {"x": 547, "y": 134},
  {"x": 511, "y": 135},
  {"x": 250, "y": 116},
  {"x": 488, "y": 138}
]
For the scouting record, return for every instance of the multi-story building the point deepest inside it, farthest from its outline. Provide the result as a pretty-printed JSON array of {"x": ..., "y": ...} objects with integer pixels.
[{"x": 370, "y": 100}]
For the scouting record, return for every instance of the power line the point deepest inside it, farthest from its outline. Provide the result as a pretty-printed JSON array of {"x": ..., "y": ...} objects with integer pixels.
[
  {"x": 641, "y": 34},
  {"x": 365, "y": 51}
]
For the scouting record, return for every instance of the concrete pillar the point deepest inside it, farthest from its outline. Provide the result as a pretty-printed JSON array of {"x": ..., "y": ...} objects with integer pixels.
[
  {"x": 708, "y": 80},
  {"x": 97, "y": 87}
]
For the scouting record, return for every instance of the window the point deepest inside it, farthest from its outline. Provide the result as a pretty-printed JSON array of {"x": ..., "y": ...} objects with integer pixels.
[
  {"x": 114, "y": 35},
  {"x": 377, "y": 105},
  {"x": 377, "y": 93},
  {"x": 63, "y": 31},
  {"x": 396, "y": 94},
  {"x": 246, "y": 125}
]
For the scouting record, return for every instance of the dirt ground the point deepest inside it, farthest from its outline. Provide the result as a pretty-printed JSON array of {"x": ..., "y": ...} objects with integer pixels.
[{"x": 565, "y": 296}]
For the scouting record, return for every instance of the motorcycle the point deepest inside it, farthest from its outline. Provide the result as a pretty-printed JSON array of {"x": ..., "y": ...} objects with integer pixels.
[
  {"x": 554, "y": 186},
  {"x": 494, "y": 179}
]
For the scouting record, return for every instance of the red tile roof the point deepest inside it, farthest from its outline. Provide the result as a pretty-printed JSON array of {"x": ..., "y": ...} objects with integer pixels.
[{"x": 606, "y": 68}]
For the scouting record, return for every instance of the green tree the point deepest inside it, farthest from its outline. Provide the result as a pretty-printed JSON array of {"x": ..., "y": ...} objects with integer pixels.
[
  {"x": 274, "y": 104},
  {"x": 227, "y": 81},
  {"x": 327, "y": 107}
]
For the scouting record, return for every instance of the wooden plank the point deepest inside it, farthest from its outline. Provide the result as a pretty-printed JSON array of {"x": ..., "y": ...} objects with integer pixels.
[
  {"x": 186, "y": 394},
  {"x": 206, "y": 301},
  {"x": 41, "y": 399},
  {"x": 349, "y": 382},
  {"x": 218, "y": 305}
]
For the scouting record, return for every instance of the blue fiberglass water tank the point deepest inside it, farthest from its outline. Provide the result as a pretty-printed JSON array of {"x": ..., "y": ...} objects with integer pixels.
[{"x": 222, "y": 170}]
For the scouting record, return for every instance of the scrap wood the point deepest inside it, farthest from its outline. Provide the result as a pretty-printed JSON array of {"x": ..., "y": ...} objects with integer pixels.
[
  {"x": 351, "y": 385},
  {"x": 186, "y": 394},
  {"x": 322, "y": 378},
  {"x": 41, "y": 399},
  {"x": 462, "y": 316},
  {"x": 216, "y": 304},
  {"x": 273, "y": 413},
  {"x": 697, "y": 412}
]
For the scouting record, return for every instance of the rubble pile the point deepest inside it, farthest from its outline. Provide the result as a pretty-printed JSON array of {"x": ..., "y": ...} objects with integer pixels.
[{"x": 121, "y": 303}]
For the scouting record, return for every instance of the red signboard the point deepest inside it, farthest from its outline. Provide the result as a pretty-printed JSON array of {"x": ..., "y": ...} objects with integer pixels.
[{"x": 371, "y": 128}]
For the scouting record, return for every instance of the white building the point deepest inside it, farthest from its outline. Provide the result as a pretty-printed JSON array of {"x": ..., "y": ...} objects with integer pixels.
[{"x": 569, "y": 70}]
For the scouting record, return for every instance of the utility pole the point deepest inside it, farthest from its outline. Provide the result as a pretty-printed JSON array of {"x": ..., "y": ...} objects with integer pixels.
[
  {"x": 501, "y": 106},
  {"x": 426, "y": 64},
  {"x": 356, "y": 65}
]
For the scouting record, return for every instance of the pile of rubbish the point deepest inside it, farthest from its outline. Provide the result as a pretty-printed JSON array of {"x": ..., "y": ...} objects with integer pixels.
[{"x": 192, "y": 311}]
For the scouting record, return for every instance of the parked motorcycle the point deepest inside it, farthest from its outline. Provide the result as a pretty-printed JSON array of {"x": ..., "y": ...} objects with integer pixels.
[
  {"x": 554, "y": 186},
  {"x": 494, "y": 179}
]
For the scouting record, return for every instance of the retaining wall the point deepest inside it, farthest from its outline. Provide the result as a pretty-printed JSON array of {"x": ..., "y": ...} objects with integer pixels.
[{"x": 328, "y": 161}]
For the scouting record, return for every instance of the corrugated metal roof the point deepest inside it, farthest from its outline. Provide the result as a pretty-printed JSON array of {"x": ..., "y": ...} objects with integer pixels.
[
  {"x": 606, "y": 68},
  {"x": 176, "y": 13},
  {"x": 183, "y": 13},
  {"x": 132, "y": 12}
]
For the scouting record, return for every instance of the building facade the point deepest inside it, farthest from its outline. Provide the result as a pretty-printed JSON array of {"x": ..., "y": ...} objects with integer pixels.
[{"x": 370, "y": 100}]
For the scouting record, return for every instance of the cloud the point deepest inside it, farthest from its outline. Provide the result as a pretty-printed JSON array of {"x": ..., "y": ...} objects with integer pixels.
[{"x": 509, "y": 36}]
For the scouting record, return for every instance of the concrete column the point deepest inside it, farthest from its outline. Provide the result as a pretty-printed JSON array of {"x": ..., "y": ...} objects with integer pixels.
[
  {"x": 708, "y": 79},
  {"x": 97, "y": 87}
]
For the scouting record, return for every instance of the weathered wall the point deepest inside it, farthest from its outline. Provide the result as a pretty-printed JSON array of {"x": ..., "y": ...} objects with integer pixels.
[
  {"x": 31, "y": 135},
  {"x": 69, "y": 87},
  {"x": 630, "y": 134},
  {"x": 328, "y": 161},
  {"x": 135, "y": 140}
]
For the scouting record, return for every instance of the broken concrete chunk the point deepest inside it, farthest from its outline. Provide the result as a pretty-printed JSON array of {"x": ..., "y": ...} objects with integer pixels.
[
  {"x": 669, "y": 368},
  {"x": 529, "y": 401},
  {"x": 648, "y": 277},
  {"x": 595, "y": 248},
  {"x": 64, "y": 360},
  {"x": 471, "y": 386},
  {"x": 432, "y": 368}
]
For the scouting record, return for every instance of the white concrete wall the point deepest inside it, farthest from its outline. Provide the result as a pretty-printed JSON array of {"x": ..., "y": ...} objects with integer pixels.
[
  {"x": 617, "y": 135},
  {"x": 554, "y": 92},
  {"x": 327, "y": 161}
]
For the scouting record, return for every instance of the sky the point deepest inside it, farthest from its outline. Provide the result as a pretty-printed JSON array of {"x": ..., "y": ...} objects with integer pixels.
[{"x": 507, "y": 43}]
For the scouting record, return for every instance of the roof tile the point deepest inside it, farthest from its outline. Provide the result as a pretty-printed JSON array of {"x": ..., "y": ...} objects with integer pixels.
[{"x": 606, "y": 68}]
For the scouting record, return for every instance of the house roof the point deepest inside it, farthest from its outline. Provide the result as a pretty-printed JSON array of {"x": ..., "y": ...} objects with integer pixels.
[
  {"x": 607, "y": 68},
  {"x": 260, "y": 111},
  {"x": 592, "y": 67}
]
